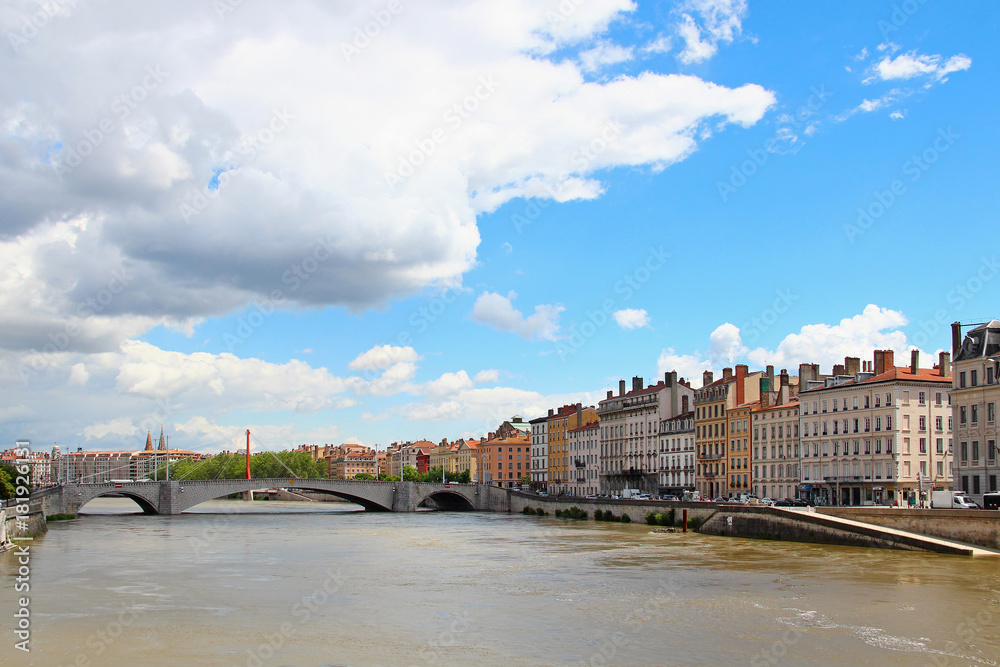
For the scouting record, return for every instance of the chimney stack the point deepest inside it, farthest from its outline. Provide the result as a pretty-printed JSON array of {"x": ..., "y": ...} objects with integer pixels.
[
  {"x": 956, "y": 338},
  {"x": 890, "y": 359},
  {"x": 727, "y": 374},
  {"x": 550, "y": 412},
  {"x": 684, "y": 404},
  {"x": 636, "y": 383},
  {"x": 852, "y": 365},
  {"x": 621, "y": 387},
  {"x": 741, "y": 390},
  {"x": 914, "y": 361},
  {"x": 839, "y": 369},
  {"x": 610, "y": 393},
  {"x": 944, "y": 364},
  {"x": 706, "y": 378}
]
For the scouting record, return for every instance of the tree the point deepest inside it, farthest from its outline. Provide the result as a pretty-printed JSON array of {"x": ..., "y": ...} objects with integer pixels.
[
  {"x": 410, "y": 474},
  {"x": 526, "y": 480},
  {"x": 464, "y": 477},
  {"x": 364, "y": 477},
  {"x": 7, "y": 475}
]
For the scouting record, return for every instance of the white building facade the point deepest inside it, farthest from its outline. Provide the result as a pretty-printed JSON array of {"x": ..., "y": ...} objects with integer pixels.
[
  {"x": 975, "y": 394},
  {"x": 584, "y": 449},
  {"x": 677, "y": 453},
  {"x": 629, "y": 432},
  {"x": 878, "y": 437},
  {"x": 539, "y": 453}
]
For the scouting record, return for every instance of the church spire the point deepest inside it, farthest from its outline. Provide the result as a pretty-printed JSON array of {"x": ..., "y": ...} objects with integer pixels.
[
  {"x": 149, "y": 441},
  {"x": 162, "y": 447}
]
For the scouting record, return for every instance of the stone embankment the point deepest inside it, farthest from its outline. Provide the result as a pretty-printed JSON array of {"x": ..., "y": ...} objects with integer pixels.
[
  {"x": 980, "y": 527},
  {"x": 635, "y": 509},
  {"x": 774, "y": 523}
]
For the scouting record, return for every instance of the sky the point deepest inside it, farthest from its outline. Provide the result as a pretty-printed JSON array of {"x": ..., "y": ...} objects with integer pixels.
[{"x": 393, "y": 220}]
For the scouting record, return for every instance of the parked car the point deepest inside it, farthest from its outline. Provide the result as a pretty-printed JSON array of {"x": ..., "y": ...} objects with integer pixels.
[
  {"x": 767, "y": 501},
  {"x": 799, "y": 502},
  {"x": 592, "y": 497},
  {"x": 673, "y": 498}
]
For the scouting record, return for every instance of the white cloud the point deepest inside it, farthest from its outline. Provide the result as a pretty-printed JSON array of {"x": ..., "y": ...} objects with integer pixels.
[
  {"x": 725, "y": 345},
  {"x": 825, "y": 344},
  {"x": 897, "y": 115},
  {"x": 497, "y": 311},
  {"x": 661, "y": 44},
  {"x": 912, "y": 64},
  {"x": 605, "y": 53},
  {"x": 707, "y": 23},
  {"x": 688, "y": 366},
  {"x": 78, "y": 374},
  {"x": 309, "y": 215},
  {"x": 487, "y": 376},
  {"x": 632, "y": 318},
  {"x": 448, "y": 384},
  {"x": 383, "y": 356}
]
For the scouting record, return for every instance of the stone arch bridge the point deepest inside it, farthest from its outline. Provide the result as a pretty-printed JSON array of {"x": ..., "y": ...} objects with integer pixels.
[{"x": 173, "y": 497}]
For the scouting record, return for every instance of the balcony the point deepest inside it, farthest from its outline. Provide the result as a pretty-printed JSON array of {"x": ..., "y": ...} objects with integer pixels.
[{"x": 579, "y": 463}]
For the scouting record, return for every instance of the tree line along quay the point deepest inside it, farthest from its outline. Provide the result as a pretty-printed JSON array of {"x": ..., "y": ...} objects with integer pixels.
[{"x": 882, "y": 431}]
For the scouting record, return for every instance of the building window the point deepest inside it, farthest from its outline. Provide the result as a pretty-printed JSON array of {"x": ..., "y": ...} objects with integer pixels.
[
  {"x": 923, "y": 445},
  {"x": 922, "y": 398},
  {"x": 975, "y": 452},
  {"x": 963, "y": 450},
  {"x": 975, "y": 413},
  {"x": 962, "y": 415},
  {"x": 961, "y": 385},
  {"x": 974, "y": 376},
  {"x": 939, "y": 445}
]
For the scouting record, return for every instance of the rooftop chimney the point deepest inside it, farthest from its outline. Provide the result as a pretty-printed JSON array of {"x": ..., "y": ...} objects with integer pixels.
[
  {"x": 839, "y": 369},
  {"x": 636, "y": 383},
  {"x": 784, "y": 378},
  {"x": 610, "y": 393},
  {"x": 551, "y": 411},
  {"x": 914, "y": 361},
  {"x": 621, "y": 387},
  {"x": 741, "y": 389},
  {"x": 852, "y": 365},
  {"x": 684, "y": 404},
  {"x": 727, "y": 374},
  {"x": 944, "y": 363},
  {"x": 706, "y": 378},
  {"x": 956, "y": 338}
]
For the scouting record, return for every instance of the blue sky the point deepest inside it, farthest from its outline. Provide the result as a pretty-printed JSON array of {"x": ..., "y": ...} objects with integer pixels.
[{"x": 737, "y": 181}]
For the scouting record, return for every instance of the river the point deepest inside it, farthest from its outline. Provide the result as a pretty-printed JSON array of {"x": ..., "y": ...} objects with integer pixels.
[{"x": 311, "y": 584}]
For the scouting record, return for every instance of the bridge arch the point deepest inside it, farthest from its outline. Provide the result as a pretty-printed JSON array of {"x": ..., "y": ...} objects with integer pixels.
[
  {"x": 450, "y": 500},
  {"x": 146, "y": 504},
  {"x": 195, "y": 493}
]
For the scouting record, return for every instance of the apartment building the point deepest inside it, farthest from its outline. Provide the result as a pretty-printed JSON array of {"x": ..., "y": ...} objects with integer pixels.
[
  {"x": 539, "y": 454},
  {"x": 712, "y": 429},
  {"x": 676, "y": 435},
  {"x": 879, "y": 435},
  {"x": 584, "y": 449},
  {"x": 630, "y": 431},
  {"x": 560, "y": 466},
  {"x": 975, "y": 394},
  {"x": 739, "y": 459},
  {"x": 774, "y": 441},
  {"x": 504, "y": 459}
]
